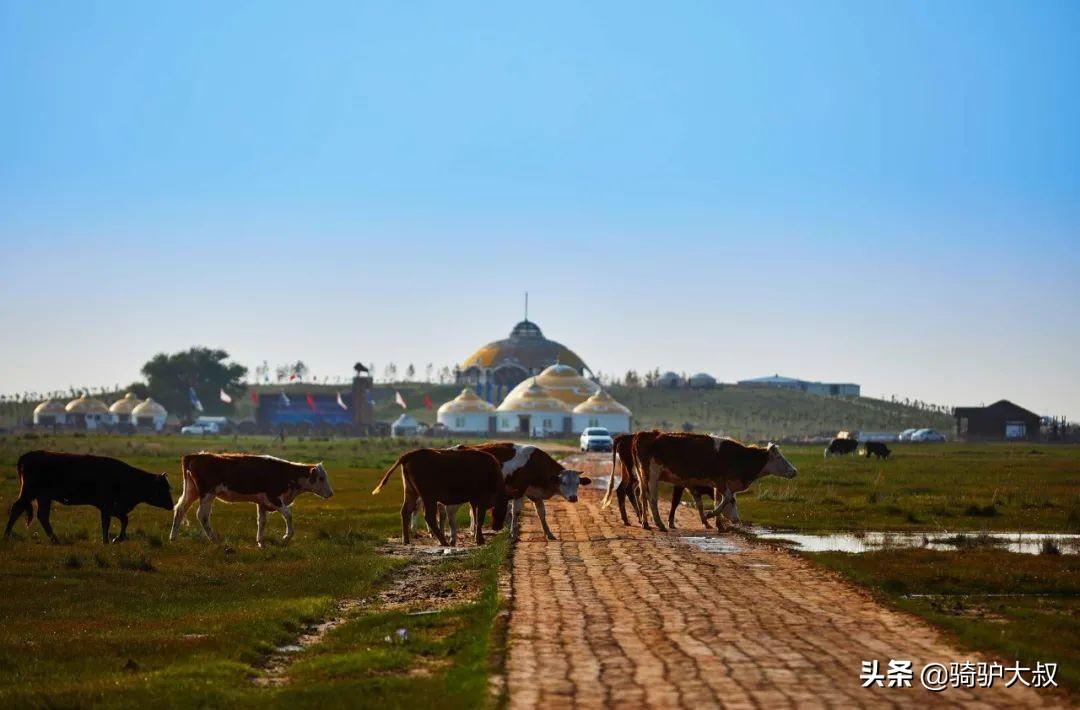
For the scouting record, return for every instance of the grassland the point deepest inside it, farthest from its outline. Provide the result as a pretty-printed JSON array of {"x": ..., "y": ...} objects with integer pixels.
[{"x": 154, "y": 622}]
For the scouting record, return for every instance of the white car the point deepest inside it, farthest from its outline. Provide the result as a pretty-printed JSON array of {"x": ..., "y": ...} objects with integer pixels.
[
  {"x": 905, "y": 435},
  {"x": 927, "y": 435},
  {"x": 200, "y": 429},
  {"x": 596, "y": 438}
]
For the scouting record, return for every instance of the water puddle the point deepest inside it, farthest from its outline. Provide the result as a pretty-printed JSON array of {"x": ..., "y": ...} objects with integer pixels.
[
  {"x": 715, "y": 545},
  {"x": 1023, "y": 543}
]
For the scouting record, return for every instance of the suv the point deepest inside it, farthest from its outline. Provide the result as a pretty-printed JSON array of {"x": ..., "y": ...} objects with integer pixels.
[{"x": 596, "y": 438}]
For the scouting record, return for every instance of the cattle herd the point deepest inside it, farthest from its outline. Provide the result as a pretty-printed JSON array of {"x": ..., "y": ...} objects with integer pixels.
[{"x": 496, "y": 477}]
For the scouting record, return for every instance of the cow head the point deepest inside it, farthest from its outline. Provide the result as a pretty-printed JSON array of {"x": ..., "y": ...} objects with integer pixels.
[
  {"x": 318, "y": 482},
  {"x": 567, "y": 483},
  {"x": 729, "y": 507},
  {"x": 777, "y": 465},
  {"x": 159, "y": 494}
]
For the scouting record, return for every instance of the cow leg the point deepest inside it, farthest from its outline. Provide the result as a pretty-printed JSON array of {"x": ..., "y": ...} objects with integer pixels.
[
  {"x": 654, "y": 491},
  {"x": 206, "y": 505},
  {"x": 43, "y": 507},
  {"x": 286, "y": 512},
  {"x": 478, "y": 511},
  {"x": 621, "y": 493},
  {"x": 431, "y": 518},
  {"x": 450, "y": 512},
  {"x": 19, "y": 507},
  {"x": 541, "y": 512},
  {"x": 676, "y": 498},
  {"x": 407, "y": 508},
  {"x": 106, "y": 518},
  {"x": 122, "y": 517},
  {"x": 260, "y": 524},
  {"x": 181, "y": 508},
  {"x": 517, "y": 507}
]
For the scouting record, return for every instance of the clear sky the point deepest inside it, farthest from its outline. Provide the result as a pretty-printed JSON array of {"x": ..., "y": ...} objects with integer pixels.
[{"x": 886, "y": 193}]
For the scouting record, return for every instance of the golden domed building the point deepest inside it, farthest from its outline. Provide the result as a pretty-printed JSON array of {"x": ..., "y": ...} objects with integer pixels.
[
  {"x": 87, "y": 413},
  {"x": 531, "y": 410},
  {"x": 50, "y": 413},
  {"x": 601, "y": 410},
  {"x": 498, "y": 367},
  {"x": 467, "y": 414},
  {"x": 120, "y": 410},
  {"x": 148, "y": 414}
]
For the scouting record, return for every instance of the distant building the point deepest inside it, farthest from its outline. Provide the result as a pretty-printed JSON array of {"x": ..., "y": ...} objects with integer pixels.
[
  {"x": 1002, "y": 420},
  {"x": 120, "y": 410},
  {"x": 701, "y": 381},
  {"x": 601, "y": 410},
  {"x": 669, "y": 379},
  {"x": 825, "y": 389},
  {"x": 87, "y": 413},
  {"x": 148, "y": 414},
  {"x": 50, "y": 413},
  {"x": 533, "y": 411},
  {"x": 404, "y": 425},
  {"x": 467, "y": 414}
]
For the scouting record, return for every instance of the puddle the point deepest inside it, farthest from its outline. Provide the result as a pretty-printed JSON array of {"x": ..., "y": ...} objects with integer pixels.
[
  {"x": 1023, "y": 543},
  {"x": 715, "y": 545}
]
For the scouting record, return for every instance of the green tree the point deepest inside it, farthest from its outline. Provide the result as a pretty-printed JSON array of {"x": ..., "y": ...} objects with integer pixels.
[{"x": 170, "y": 377}]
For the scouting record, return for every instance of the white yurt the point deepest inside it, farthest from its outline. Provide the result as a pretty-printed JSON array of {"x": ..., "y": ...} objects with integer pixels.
[
  {"x": 533, "y": 412},
  {"x": 87, "y": 413},
  {"x": 670, "y": 379},
  {"x": 405, "y": 425},
  {"x": 701, "y": 381},
  {"x": 50, "y": 413},
  {"x": 149, "y": 415},
  {"x": 120, "y": 410},
  {"x": 466, "y": 414},
  {"x": 602, "y": 410}
]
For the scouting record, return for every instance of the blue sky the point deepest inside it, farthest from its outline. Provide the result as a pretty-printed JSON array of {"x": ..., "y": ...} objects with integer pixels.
[{"x": 886, "y": 193}]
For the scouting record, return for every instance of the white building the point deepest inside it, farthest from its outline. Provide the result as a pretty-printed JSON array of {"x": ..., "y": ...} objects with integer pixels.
[
  {"x": 87, "y": 413},
  {"x": 50, "y": 413},
  {"x": 467, "y": 414},
  {"x": 149, "y": 414},
  {"x": 670, "y": 379},
  {"x": 603, "y": 411},
  {"x": 824, "y": 389},
  {"x": 702, "y": 380},
  {"x": 533, "y": 411},
  {"x": 120, "y": 410}
]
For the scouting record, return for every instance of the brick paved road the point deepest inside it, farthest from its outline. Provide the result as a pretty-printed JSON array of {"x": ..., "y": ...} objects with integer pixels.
[{"x": 617, "y": 616}]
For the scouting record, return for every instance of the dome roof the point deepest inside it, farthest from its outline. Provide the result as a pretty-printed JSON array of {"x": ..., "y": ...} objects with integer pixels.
[
  {"x": 466, "y": 402},
  {"x": 148, "y": 408},
  {"x": 125, "y": 405},
  {"x": 526, "y": 348},
  {"x": 533, "y": 398},
  {"x": 50, "y": 406},
  {"x": 563, "y": 383},
  {"x": 702, "y": 378},
  {"x": 86, "y": 405},
  {"x": 601, "y": 403}
]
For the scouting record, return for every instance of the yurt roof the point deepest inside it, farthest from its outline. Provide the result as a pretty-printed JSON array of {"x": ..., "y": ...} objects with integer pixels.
[
  {"x": 526, "y": 348},
  {"x": 86, "y": 405},
  {"x": 601, "y": 403},
  {"x": 149, "y": 408},
  {"x": 125, "y": 404},
  {"x": 534, "y": 398},
  {"x": 468, "y": 402},
  {"x": 50, "y": 406}
]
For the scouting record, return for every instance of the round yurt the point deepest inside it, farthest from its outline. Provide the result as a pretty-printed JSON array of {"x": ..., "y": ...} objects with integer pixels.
[
  {"x": 702, "y": 381},
  {"x": 466, "y": 414},
  {"x": 533, "y": 412},
  {"x": 149, "y": 415},
  {"x": 87, "y": 413},
  {"x": 120, "y": 410},
  {"x": 601, "y": 410},
  {"x": 50, "y": 413},
  {"x": 405, "y": 425},
  {"x": 670, "y": 379}
]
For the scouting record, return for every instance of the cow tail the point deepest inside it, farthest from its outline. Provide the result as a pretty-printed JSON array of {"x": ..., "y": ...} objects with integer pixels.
[
  {"x": 386, "y": 476},
  {"x": 611, "y": 479},
  {"x": 22, "y": 490}
]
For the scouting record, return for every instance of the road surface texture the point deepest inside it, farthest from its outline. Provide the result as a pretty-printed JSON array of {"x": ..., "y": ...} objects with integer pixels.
[{"x": 615, "y": 616}]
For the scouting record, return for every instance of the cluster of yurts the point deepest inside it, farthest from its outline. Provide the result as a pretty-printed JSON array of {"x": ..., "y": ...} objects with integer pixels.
[
  {"x": 85, "y": 412},
  {"x": 559, "y": 400}
]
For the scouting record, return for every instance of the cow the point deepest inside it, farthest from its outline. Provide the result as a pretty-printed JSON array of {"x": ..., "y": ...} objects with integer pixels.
[
  {"x": 698, "y": 492},
  {"x": 697, "y": 459},
  {"x": 272, "y": 484},
  {"x": 841, "y": 447},
  {"x": 111, "y": 486},
  {"x": 528, "y": 472},
  {"x": 622, "y": 462},
  {"x": 877, "y": 448},
  {"x": 451, "y": 477}
]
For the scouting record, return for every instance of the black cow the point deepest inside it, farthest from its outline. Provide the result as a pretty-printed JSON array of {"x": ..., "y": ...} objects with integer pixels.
[
  {"x": 841, "y": 447},
  {"x": 876, "y": 448},
  {"x": 111, "y": 486}
]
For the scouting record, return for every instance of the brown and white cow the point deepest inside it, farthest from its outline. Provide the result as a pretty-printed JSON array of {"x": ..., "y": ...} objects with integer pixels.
[
  {"x": 272, "y": 484},
  {"x": 451, "y": 477},
  {"x": 697, "y": 459}
]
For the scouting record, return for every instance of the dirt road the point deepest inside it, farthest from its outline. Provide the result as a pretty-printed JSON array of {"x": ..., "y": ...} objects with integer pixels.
[{"x": 616, "y": 616}]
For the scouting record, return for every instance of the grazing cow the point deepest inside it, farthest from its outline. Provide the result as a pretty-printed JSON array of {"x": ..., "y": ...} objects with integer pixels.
[
  {"x": 841, "y": 447},
  {"x": 451, "y": 477},
  {"x": 696, "y": 459},
  {"x": 111, "y": 486},
  {"x": 877, "y": 448},
  {"x": 272, "y": 484}
]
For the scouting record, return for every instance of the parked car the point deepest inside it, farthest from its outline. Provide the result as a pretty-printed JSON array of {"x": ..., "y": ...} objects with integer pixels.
[
  {"x": 928, "y": 435},
  {"x": 200, "y": 429},
  {"x": 905, "y": 435},
  {"x": 596, "y": 438}
]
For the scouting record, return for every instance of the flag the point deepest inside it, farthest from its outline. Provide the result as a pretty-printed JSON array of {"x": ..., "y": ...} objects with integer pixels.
[
  {"x": 194, "y": 399},
  {"x": 311, "y": 403},
  {"x": 427, "y": 402},
  {"x": 341, "y": 402},
  {"x": 225, "y": 397},
  {"x": 400, "y": 400},
  {"x": 255, "y": 398},
  {"x": 293, "y": 376},
  {"x": 285, "y": 400}
]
